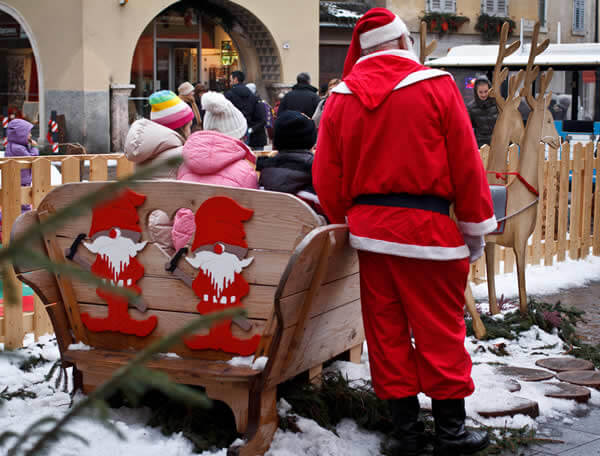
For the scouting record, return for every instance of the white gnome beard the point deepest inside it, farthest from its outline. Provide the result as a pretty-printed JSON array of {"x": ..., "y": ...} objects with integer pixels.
[
  {"x": 221, "y": 268},
  {"x": 116, "y": 251}
]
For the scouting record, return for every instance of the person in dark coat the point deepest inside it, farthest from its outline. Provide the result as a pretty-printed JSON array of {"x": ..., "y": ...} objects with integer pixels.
[
  {"x": 241, "y": 96},
  {"x": 303, "y": 97},
  {"x": 483, "y": 111},
  {"x": 257, "y": 135},
  {"x": 290, "y": 171}
]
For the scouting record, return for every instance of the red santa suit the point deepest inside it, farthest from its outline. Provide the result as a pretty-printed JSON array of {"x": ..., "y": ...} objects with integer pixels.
[{"x": 394, "y": 126}]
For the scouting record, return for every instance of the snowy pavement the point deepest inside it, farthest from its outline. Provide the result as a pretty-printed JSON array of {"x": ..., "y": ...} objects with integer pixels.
[{"x": 580, "y": 423}]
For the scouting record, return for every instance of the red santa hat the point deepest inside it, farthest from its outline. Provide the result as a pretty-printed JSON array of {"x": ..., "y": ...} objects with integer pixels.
[
  {"x": 220, "y": 219},
  {"x": 377, "y": 26},
  {"x": 119, "y": 212}
]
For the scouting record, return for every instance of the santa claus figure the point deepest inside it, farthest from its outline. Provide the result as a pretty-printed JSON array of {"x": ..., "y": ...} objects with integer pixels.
[
  {"x": 218, "y": 253},
  {"x": 115, "y": 234}
]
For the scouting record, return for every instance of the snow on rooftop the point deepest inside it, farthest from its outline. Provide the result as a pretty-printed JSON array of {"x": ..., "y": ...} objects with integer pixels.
[{"x": 555, "y": 55}]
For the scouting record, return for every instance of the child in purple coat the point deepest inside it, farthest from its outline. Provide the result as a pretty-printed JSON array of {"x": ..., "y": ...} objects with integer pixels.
[{"x": 20, "y": 144}]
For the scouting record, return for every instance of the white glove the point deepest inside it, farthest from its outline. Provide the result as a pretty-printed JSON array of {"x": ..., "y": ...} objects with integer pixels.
[{"x": 476, "y": 245}]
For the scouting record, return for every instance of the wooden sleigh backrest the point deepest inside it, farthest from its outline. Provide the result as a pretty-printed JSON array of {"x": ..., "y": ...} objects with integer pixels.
[
  {"x": 279, "y": 223},
  {"x": 318, "y": 322}
]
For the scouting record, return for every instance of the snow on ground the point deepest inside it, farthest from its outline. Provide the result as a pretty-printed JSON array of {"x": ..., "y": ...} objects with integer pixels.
[
  {"x": 543, "y": 280},
  {"x": 534, "y": 344}
]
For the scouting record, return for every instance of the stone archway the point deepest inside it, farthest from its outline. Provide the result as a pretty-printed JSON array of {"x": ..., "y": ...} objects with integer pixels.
[
  {"x": 258, "y": 50},
  {"x": 36, "y": 52}
]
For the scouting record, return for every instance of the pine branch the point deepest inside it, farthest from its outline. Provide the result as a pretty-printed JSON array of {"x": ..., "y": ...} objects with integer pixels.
[
  {"x": 76, "y": 272},
  {"x": 121, "y": 375},
  {"x": 64, "y": 215}
]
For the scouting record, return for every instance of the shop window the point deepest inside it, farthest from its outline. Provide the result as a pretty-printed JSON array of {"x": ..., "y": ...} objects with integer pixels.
[
  {"x": 441, "y": 6},
  {"x": 19, "y": 94},
  {"x": 494, "y": 7}
]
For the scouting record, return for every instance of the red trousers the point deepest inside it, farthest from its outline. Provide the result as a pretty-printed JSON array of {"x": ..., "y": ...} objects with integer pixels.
[{"x": 401, "y": 294}]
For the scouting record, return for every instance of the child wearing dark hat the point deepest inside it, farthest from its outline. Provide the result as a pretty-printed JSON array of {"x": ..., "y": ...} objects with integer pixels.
[{"x": 290, "y": 171}]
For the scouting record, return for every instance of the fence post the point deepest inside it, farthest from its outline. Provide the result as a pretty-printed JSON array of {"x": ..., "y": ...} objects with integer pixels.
[
  {"x": 41, "y": 184},
  {"x": 11, "y": 209}
]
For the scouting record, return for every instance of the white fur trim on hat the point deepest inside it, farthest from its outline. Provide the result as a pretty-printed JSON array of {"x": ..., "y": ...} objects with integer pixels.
[
  {"x": 388, "y": 32},
  {"x": 186, "y": 88}
]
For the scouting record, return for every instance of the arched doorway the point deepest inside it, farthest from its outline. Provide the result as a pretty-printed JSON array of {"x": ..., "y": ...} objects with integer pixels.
[
  {"x": 21, "y": 81},
  {"x": 201, "y": 44}
]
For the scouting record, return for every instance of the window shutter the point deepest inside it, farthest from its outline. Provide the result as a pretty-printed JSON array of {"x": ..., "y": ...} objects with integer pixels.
[
  {"x": 578, "y": 15},
  {"x": 449, "y": 6},
  {"x": 502, "y": 7},
  {"x": 542, "y": 13},
  {"x": 435, "y": 5},
  {"x": 489, "y": 6}
]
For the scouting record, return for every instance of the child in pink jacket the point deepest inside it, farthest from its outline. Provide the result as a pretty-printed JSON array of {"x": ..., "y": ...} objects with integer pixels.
[{"x": 214, "y": 156}]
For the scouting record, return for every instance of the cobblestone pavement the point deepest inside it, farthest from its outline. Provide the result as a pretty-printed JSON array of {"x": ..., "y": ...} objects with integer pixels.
[
  {"x": 586, "y": 299},
  {"x": 581, "y": 437}
]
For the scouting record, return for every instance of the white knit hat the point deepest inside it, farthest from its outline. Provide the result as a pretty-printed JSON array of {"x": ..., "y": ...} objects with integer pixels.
[
  {"x": 222, "y": 116},
  {"x": 186, "y": 88}
]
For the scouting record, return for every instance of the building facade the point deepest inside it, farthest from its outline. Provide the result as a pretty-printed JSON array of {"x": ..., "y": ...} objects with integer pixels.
[{"x": 91, "y": 56}]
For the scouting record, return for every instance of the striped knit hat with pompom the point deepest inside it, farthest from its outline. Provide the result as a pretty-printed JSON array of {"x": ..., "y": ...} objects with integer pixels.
[{"x": 169, "y": 110}]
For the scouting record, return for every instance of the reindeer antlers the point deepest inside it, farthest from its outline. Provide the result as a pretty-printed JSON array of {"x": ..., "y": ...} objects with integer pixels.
[
  {"x": 500, "y": 75},
  {"x": 531, "y": 72},
  {"x": 425, "y": 49}
]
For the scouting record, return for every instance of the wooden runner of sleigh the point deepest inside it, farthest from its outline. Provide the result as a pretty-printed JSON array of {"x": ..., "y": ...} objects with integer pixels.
[{"x": 302, "y": 298}]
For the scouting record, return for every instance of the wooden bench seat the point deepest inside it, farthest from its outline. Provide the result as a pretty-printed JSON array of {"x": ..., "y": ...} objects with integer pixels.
[{"x": 303, "y": 299}]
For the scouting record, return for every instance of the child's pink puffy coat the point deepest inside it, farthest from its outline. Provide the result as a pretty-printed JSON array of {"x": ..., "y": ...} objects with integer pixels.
[{"x": 210, "y": 157}]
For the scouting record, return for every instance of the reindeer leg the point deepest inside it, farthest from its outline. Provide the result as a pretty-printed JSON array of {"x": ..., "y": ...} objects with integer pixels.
[
  {"x": 478, "y": 326},
  {"x": 520, "y": 252},
  {"x": 490, "y": 253}
]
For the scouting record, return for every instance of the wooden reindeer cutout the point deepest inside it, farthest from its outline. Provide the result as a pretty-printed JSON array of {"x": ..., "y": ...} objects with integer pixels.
[
  {"x": 509, "y": 126},
  {"x": 425, "y": 50},
  {"x": 522, "y": 193}
]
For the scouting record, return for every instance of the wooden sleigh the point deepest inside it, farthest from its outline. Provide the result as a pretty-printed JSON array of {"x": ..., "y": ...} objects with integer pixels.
[{"x": 303, "y": 300}]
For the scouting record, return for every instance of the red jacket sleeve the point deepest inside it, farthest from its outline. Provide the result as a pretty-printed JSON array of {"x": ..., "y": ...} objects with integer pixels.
[
  {"x": 473, "y": 203},
  {"x": 327, "y": 171}
]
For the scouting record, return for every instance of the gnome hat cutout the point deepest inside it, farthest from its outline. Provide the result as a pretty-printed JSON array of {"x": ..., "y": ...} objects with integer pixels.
[
  {"x": 114, "y": 233},
  {"x": 218, "y": 252}
]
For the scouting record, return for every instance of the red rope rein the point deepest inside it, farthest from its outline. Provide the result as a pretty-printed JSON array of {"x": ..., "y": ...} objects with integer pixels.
[{"x": 527, "y": 185}]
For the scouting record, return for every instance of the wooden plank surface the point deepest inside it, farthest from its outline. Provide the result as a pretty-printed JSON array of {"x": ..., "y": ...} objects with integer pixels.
[
  {"x": 587, "y": 200},
  {"x": 98, "y": 168},
  {"x": 563, "y": 202},
  {"x": 279, "y": 222},
  {"x": 575, "y": 224},
  {"x": 167, "y": 323},
  {"x": 27, "y": 318},
  {"x": 318, "y": 345},
  {"x": 596, "y": 230},
  {"x": 550, "y": 186},
  {"x": 71, "y": 170},
  {"x": 11, "y": 209}
]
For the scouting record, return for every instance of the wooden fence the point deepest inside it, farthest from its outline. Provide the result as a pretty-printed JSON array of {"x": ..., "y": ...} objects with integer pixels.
[
  {"x": 14, "y": 324},
  {"x": 566, "y": 226}
]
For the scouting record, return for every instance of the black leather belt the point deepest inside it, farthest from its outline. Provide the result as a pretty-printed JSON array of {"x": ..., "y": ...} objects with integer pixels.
[{"x": 425, "y": 202}]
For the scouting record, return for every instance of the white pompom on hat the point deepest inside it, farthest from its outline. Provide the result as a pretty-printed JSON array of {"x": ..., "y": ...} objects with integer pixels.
[
  {"x": 222, "y": 116},
  {"x": 376, "y": 26}
]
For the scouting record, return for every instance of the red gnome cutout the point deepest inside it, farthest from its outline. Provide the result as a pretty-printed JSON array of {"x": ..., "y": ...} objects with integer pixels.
[
  {"x": 115, "y": 233},
  {"x": 218, "y": 253}
]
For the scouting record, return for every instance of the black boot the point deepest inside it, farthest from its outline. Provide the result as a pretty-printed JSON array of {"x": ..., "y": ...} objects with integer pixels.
[
  {"x": 407, "y": 436},
  {"x": 451, "y": 437}
]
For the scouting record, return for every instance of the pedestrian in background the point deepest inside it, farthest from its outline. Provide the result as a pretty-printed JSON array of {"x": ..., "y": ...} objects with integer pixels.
[
  {"x": 483, "y": 111},
  {"x": 302, "y": 98},
  {"x": 319, "y": 111},
  {"x": 186, "y": 93}
]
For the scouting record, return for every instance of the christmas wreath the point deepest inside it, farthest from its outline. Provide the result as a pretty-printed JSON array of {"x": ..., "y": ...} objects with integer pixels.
[
  {"x": 443, "y": 22},
  {"x": 490, "y": 26}
]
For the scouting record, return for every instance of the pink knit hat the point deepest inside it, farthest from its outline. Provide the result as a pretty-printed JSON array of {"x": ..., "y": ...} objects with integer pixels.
[{"x": 169, "y": 110}]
